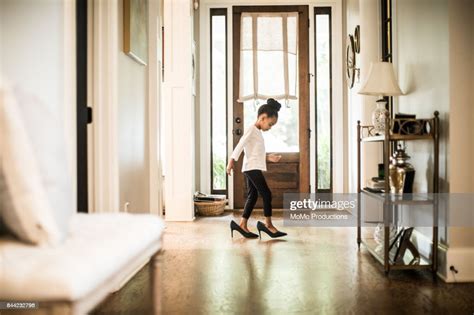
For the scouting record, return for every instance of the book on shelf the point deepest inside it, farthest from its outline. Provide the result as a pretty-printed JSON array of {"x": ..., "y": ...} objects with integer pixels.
[
  {"x": 376, "y": 183},
  {"x": 373, "y": 190}
]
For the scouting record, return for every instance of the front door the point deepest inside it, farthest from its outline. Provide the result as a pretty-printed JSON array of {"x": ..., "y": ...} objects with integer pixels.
[{"x": 290, "y": 136}]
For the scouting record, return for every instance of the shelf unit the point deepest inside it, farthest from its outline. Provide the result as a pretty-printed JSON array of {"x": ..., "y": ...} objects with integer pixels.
[{"x": 398, "y": 129}]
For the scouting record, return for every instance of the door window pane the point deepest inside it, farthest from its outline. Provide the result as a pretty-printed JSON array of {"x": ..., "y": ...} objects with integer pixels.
[
  {"x": 218, "y": 100},
  {"x": 323, "y": 98},
  {"x": 283, "y": 137}
]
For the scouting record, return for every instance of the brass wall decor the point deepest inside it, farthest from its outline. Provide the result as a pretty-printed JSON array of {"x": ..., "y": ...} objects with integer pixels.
[
  {"x": 351, "y": 68},
  {"x": 357, "y": 39}
]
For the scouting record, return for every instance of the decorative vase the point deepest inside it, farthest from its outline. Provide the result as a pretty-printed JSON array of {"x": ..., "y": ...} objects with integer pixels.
[
  {"x": 378, "y": 117},
  {"x": 379, "y": 233},
  {"x": 402, "y": 173}
]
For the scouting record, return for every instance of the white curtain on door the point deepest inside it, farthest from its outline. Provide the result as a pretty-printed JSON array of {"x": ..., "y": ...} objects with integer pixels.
[{"x": 268, "y": 56}]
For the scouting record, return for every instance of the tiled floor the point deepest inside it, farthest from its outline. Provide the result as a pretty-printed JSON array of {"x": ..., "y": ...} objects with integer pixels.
[{"x": 313, "y": 270}]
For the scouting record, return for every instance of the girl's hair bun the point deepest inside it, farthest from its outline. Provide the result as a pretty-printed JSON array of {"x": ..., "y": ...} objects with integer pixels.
[
  {"x": 271, "y": 108},
  {"x": 274, "y": 104}
]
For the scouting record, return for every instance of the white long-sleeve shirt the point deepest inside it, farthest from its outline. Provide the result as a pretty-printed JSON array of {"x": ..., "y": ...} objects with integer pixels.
[{"x": 254, "y": 147}]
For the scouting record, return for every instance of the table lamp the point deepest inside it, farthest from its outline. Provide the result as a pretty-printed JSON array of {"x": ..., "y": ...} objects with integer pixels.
[{"x": 380, "y": 82}]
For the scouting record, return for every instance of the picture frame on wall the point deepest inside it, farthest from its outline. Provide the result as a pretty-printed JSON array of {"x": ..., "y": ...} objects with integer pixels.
[{"x": 135, "y": 30}]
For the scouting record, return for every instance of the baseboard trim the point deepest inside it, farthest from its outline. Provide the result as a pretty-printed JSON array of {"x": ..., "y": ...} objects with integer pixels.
[{"x": 459, "y": 257}]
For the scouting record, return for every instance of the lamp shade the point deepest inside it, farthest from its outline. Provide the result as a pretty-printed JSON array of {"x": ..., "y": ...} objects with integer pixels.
[{"x": 381, "y": 81}]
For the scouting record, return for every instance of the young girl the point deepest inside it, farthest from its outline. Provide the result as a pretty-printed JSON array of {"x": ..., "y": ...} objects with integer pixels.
[{"x": 254, "y": 163}]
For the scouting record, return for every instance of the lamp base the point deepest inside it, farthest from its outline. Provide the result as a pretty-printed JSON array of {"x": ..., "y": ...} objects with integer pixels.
[{"x": 378, "y": 117}]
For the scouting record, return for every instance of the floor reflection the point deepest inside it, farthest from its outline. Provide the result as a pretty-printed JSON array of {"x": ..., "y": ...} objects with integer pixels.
[{"x": 202, "y": 270}]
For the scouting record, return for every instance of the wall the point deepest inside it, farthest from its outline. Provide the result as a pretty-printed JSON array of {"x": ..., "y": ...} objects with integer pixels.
[
  {"x": 422, "y": 60},
  {"x": 423, "y": 71},
  {"x": 37, "y": 51},
  {"x": 351, "y": 99},
  {"x": 434, "y": 58},
  {"x": 132, "y": 128},
  {"x": 196, "y": 99},
  {"x": 153, "y": 113},
  {"x": 461, "y": 71},
  {"x": 359, "y": 107},
  {"x": 461, "y": 133},
  {"x": 40, "y": 53},
  {"x": 124, "y": 143}
]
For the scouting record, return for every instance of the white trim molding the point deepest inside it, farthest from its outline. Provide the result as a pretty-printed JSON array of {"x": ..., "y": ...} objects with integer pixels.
[
  {"x": 178, "y": 111},
  {"x": 104, "y": 169},
  {"x": 69, "y": 54},
  {"x": 461, "y": 259},
  {"x": 153, "y": 87}
]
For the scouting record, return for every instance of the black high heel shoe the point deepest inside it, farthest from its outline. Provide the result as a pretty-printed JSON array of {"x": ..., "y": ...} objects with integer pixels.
[
  {"x": 235, "y": 226},
  {"x": 262, "y": 227}
]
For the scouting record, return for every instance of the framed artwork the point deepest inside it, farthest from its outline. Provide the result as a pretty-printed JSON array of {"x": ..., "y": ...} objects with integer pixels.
[{"x": 135, "y": 29}]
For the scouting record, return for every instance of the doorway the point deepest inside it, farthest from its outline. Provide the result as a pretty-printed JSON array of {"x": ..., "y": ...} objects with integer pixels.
[{"x": 290, "y": 137}]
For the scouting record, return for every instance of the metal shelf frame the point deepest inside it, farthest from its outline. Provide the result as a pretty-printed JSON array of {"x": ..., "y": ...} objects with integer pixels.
[{"x": 406, "y": 130}]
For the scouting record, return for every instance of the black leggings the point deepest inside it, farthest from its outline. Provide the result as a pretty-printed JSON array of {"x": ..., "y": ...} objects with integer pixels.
[{"x": 256, "y": 184}]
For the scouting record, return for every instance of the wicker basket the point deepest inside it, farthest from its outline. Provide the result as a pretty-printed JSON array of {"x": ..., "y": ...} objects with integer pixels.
[{"x": 210, "y": 208}]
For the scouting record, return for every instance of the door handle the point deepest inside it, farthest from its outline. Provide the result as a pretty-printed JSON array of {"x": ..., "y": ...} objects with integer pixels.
[
  {"x": 237, "y": 132},
  {"x": 237, "y": 120}
]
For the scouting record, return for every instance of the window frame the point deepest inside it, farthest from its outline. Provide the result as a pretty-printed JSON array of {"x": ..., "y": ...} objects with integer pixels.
[
  {"x": 323, "y": 11},
  {"x": 218, "y": 12}
]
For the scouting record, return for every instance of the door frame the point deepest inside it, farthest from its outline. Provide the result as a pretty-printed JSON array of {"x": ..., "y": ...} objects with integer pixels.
[
  {"x": 341, "y": 121},
  {"x": 303, "y": 86},
  {"x": 81, "y": 14}
]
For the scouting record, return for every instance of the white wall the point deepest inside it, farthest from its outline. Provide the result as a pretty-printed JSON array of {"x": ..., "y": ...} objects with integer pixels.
[
  {"x": 132, "y": 128},
  {"x": 359, "y": 107},
  {"x": 352, "y": 100},
  {"x": 197, "y": 103},
  {"x": 461, "y": 58},
  {"x": 125, "y": 96},
  {"x": 422, "y": 60},
  {"x": 423, "y": 70},
  {"x": 433, "y": 60},
  {"x": 461, "y": 133},
  {"x": 124, "y": 142},
  {"x": 37, "y": 51},
  {"x": 435, "y": 66}
]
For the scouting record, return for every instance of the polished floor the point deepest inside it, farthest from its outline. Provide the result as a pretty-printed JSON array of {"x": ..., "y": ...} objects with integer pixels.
[{"x": 202, "y": 270}]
